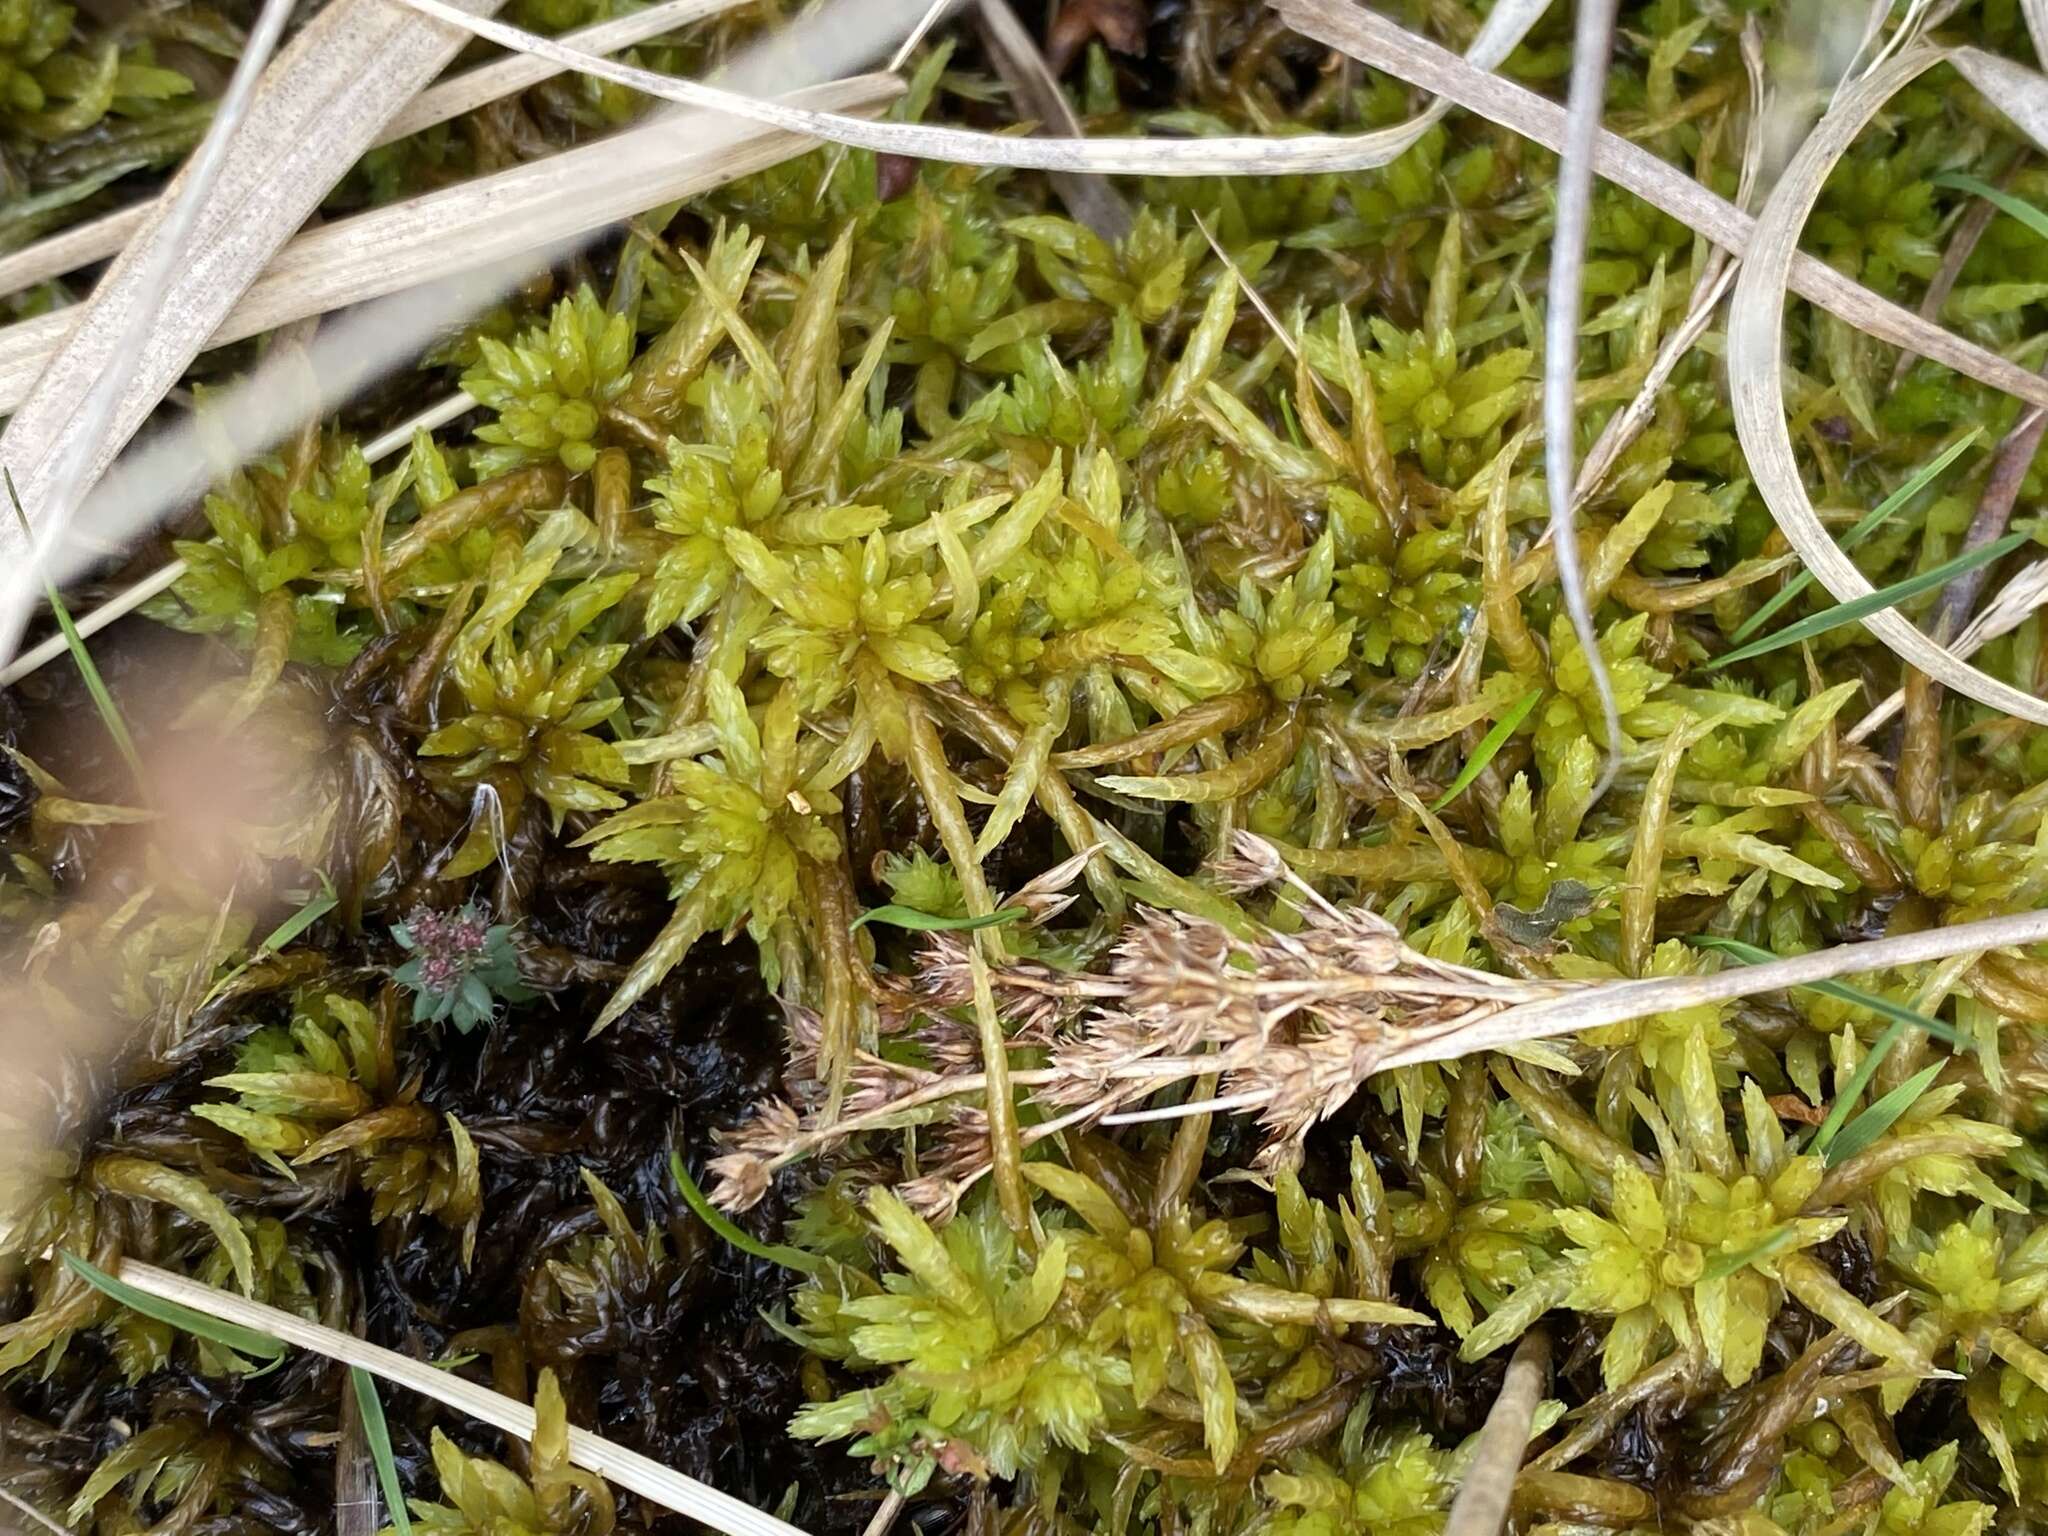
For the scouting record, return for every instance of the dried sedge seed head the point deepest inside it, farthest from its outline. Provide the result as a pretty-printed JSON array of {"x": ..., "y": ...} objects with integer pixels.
[
  {"x": 1051, "y": 893},
  {"x": 933, "y": 1196},
  {"x": 873, "y": 1084},
  {"x": 953, "y": 1044},
  {"x": 739, "y": 1180},
  {"x": 1251, "y": 864},
  {"x": 1030, "y": 995}
]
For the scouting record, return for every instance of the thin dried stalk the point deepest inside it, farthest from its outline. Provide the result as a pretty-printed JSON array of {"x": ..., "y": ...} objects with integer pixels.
[
  {"x": 357, "y": 1499},
  {"x": 1373, "y": 40},
  {"x": 1976, "y": 219},
  {"x": 1090, "y": 199},
  {"x": 2013, "y": 604},
  {"x": 1755, "y": 370},
  {"x": 886, "y": 1512},
  {"x": 102, "y": 237},
  {"x": 1610, "y": 1407},
  {"x": 557, "y": 200},
  {"x": 312, "y": 115},
  {"x": 1503, "y": 29},
  {"x": 460, "y": 228},
  {"x": 1617, "y": 1002},
  {"x": 1592, "y": 46},
  {"x": 1627, "y": 424},
  {"x": 924, "y": 25},
  {"x": 2009, "y": 467},
  {"x": 22, "y": 1506},
  {"x": 629, "y": 1469},
  {"x": 1481, "y": 1507}
]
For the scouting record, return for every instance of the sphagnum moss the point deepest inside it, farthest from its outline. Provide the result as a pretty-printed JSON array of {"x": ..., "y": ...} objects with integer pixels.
[{"x": 811, "y": 552}]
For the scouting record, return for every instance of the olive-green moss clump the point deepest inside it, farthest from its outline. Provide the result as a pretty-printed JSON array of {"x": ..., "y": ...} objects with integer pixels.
[{"x": 854, "y": 542}]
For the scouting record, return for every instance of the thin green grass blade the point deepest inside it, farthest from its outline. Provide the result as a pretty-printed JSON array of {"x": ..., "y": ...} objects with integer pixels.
[
  {"x": 1846, "y": 1100},
  {"x": 1875, "y": 602},
  {"x": 924, "y": 922},
  {"x": 1724, "y": 1265},
  {"x": 102, "y": 700},
  {"x": 232, "y": 1336},
  {"x": 2004, "y": 202},
  {"x": 1868, "y": 524},
  {"x": 315, "y": 908},
  {"x": 1489, "y": 747},
  {"x": 1841, "y": 991},
  {"x": 378, "y": 1433},
  {"x": 1882, "y": 1115},
  {"x": 719, "y": 1222}
]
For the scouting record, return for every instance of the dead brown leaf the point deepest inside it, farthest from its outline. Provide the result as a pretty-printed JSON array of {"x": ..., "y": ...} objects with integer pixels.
[
  {"x": 1789, "y": 1106},
  {"x": 1120, "y": 24}
]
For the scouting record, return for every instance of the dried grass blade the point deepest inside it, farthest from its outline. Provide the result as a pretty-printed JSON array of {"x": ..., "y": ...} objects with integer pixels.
[
  {"x": 629, "y": 1469},
  {"x": 505, "y": 77},
  {"x": 1751, "y": 954},
  {"x": 102, "y": 237},
  {"x": 557, "y": 202},
  {"x": 1592, "y": 46},
  {"x": 356, "y": 1501},
  {"x": 1481, "y": 1507},
  {"x": 22, "y": 1506},
  {"x": 1090, "y": 199},
  {"x": 1378, "y": 42},
  {"x": 464, "y": 227},
  {"x": 62, "y": 469},
  {"x": 344, "y": 74},
  {"x": 1509, "y": 21},
  {"x": 1593, "y": 1007},
  {"x": 2005, "y": 612},
  {"x": 1962, "y": 244},
  {"x": 1755, "y": 360}
]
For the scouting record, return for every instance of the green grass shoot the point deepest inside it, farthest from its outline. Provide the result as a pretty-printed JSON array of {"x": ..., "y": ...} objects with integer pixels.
[
  {"x": 2004, "y": 202},
  {"x": 1489, "y": 747},
  {"x": 1880, "y": 1116},
  {"x": 1865, "y": 526},
  {"x": 719, "y": 1222},
  {"x": 229, "y": 1336},
  {"x": 378, "y": 1434},
  {"x": 310, "y": 912},
  {"x": 103, "y": 701},
  {"x": 1841, "y": 991},
  {"x": 1874, "y": 602}
]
